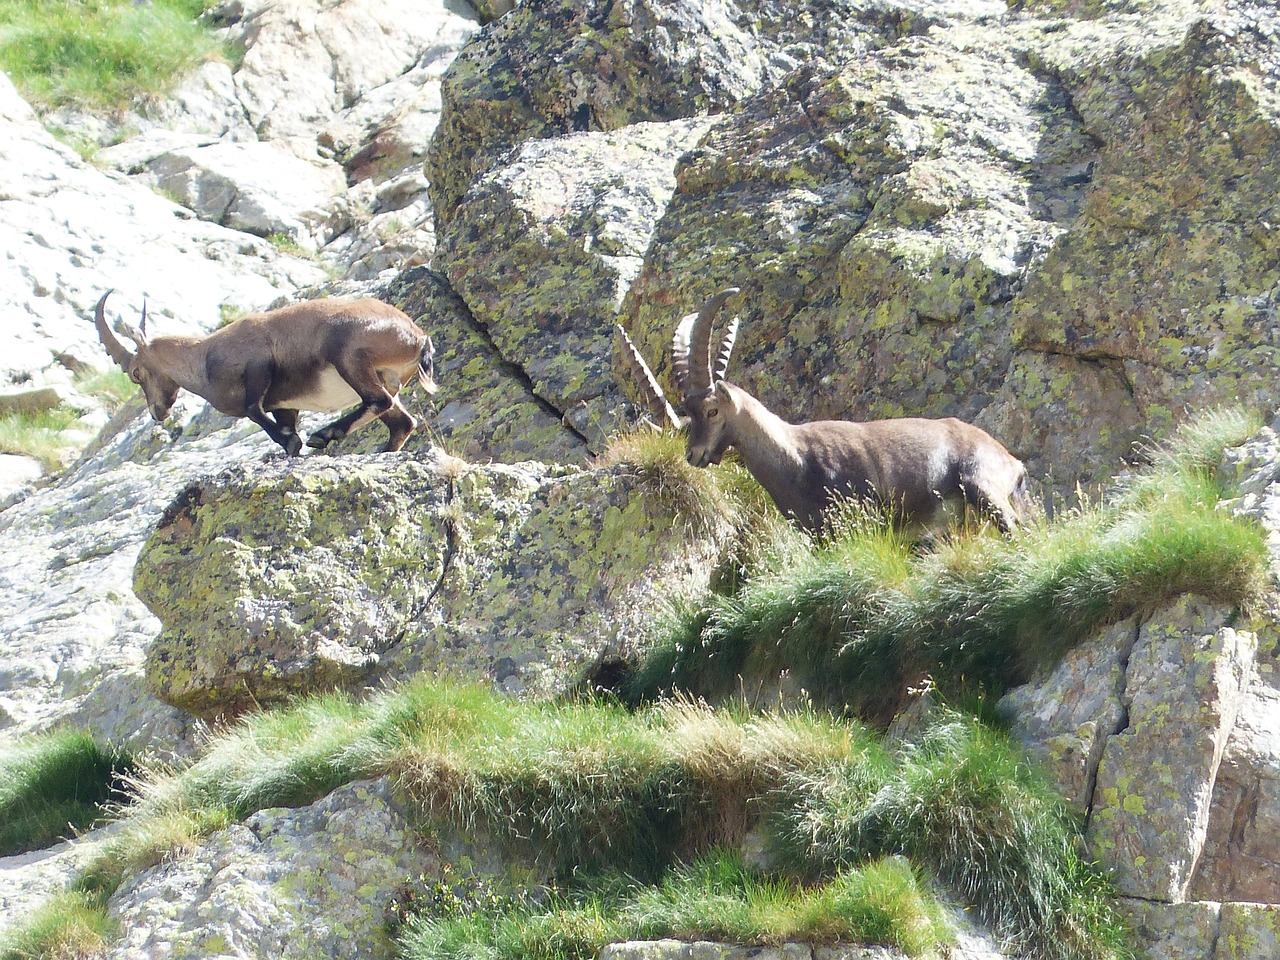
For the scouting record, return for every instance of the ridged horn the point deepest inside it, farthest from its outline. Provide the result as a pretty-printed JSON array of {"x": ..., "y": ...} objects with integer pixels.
[
  {"x": 726, "y": 351},
  {"x": 652, "y": 394},
  {"x": 115, "y": 349},
  {"x": 692, "y": 342}
]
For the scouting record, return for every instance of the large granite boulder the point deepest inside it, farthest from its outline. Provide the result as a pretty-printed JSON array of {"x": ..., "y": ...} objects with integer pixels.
[
  {"x": 314, "y": 881},
  {"x": 279, "y": 578}
]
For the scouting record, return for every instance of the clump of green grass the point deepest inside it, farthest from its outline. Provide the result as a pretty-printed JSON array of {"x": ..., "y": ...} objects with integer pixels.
[
  {"x": 713, "y": 898},
  {"x": 52, "y": 436},
  {"x": 54, "y": 785},
  {"x": 859, "y": 617},
  {"x": 100, "y": 54},
  {"x": 42, "y": 435},
  {"x": 69, "y": 926},
  {"x": 965, "y": 803},
  {"x": 584, "y": 786}
]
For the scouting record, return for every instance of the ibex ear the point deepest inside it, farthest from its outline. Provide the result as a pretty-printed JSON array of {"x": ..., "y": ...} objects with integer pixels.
[{"x": 726, "y": 395}]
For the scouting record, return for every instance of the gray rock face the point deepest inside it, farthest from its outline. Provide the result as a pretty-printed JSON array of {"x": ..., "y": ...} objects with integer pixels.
[
  {"x": 572, "y": 216},
  {"x": 304, "y": 575},
  {"x": 319, "y": 133},
  {"x": 308, "y": 882}
]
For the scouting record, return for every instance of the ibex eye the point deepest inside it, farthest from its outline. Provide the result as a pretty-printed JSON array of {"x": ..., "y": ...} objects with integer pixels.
[{"x": 712, "y": 413}]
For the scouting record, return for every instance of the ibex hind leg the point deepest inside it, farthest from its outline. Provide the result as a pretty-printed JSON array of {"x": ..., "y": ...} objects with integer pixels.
[
  {"x": 375, "y": 401},
  {"x": 350, "y": 422}
]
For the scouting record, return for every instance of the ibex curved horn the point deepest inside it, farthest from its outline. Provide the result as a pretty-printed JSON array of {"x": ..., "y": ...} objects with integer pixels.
[
  {"x": 652, "y": 394},
  {"x": 115, "y": 349},
  {"x": 691, "y": 346}
]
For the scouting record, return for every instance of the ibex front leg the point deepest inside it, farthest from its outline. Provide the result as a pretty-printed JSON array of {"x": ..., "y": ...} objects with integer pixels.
[{"x": 283, "y": 428}]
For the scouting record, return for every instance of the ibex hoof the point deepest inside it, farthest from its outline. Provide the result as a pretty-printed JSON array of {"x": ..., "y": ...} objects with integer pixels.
[
  {"x": 317, "y": 441},
  {"x": 293, "y": 445}
]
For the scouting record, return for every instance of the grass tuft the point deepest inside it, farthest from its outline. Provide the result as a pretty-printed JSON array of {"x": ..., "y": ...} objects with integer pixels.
[
  {"x": 70, "y": 926},
  {"x": 963, "y": 802},
  {"x": 55, "y": 785},
  {"x": 100, "y": 54},
  {"x": 52, "y": 436},
  {"x": 714, "y": 898},
  {"x": 585, "y": 786}
]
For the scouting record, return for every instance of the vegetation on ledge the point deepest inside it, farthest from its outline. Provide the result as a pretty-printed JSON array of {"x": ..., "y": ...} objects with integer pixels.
[
  {"x": 100, "y": 54},
  {"x": 587, "y": 786},
  {"x": 860, "y": 617}
]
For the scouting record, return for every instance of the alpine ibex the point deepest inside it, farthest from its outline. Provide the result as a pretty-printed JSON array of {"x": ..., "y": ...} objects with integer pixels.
[
  {"x": 913, "y": 467},
  {"x": 321, "y": 355}
]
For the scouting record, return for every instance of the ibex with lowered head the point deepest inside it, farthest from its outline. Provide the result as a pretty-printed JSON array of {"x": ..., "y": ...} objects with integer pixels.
[
  {"x": 321, "y": 355},
  {"x": 913, "y": 467}
]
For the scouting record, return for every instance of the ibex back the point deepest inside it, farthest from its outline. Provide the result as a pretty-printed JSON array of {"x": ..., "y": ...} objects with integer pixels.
[
  {"x": 321, "y": 355},
  {"x": 915, "y": 468}
]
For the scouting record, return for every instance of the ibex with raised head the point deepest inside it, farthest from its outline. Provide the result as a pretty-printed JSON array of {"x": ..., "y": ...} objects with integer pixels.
[
  {"x": 913, "y": 467},
  {"x": 321, "y": 355}
]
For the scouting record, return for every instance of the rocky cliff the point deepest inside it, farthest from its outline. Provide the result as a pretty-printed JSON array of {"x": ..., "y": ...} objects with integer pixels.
[{"x": 1056, "y": 219}]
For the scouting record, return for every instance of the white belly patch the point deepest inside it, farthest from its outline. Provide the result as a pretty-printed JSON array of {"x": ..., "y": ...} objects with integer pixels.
[{"x": 328, "y": 394}]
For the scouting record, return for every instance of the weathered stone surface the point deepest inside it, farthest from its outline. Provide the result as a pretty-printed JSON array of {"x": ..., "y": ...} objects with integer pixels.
[
  {"x": 1064, "y": 721},
  {"x": 879, "y": 244},
  {"x": 68, "y": 232},
  {"x": 490, "y": 409},
  {"x": 1180, "y": 931},
  {"x": 1183, "y": 689},
  {"x": 258, "y": 188},
  {"x": 1206, "y": 930},
  {"x": 1167, "y": 279},
  {"x": 1250, "y": 931},
  {"x": 553, "y": 67},
  {"x": 17, "y": 473},
  {"x": 29, "y": 879},
  {"x": 544, "y": 250},
  {"x": 323, "y": 572},
  {"x": 286, "y": 883},
  {"x": 74, "y": 634},
  {"x": 1241, "y": 859}
]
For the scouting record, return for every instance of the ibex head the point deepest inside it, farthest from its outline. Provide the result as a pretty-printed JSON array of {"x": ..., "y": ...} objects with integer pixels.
[
  {"x": 160, "y": 390},
  {"x": 706, "y": 402}
]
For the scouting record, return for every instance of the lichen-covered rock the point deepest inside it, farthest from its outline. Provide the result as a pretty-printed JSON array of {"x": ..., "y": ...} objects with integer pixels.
[
  {"x": 1250, "y": 931},
  {"x": 1064, "y": 720},
  {"x": 544, "y": 249},
  {"x": 1180, "y": 931},
  {"x": 489, "y": 408},
  {"x": 552, "y": 67},
  {"x": 1184, "y": 685},
  {"x": 1166, "y": 281},
  {"x": 880, "y": 217},
  {"x": 286, "y": 884},
  {"x": 1241, "y": 858},
  {"x": 291, "y": 576}
]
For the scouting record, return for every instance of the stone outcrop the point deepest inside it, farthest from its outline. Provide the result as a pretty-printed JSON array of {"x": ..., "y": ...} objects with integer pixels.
[
  {"x": 308, "y": 882},
  {"x": 1161, "y": 732},
  {"x": 275, "y": 579},
  {"x": 905, "y": 220}
]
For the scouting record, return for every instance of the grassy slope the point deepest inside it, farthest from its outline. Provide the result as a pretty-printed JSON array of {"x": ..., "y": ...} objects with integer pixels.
[
  {"x": 859, "y": 618},
  {"x": 99, "y": 54},
  {"x": 668, "y": 788}
]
